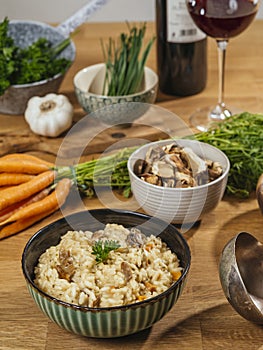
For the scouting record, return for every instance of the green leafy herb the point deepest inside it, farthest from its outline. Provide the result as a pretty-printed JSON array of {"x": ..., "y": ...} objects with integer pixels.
[
  {"x": 7, "y": 54},
  {"x": 37, "y": 62},
  {"x": 102, "y": 249},
  {"x": 125, "y": 62},
  {"x": 241, "y": 139}
]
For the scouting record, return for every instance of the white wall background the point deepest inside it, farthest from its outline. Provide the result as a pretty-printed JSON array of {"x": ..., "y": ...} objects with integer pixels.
[{"x": 56, "y": 11}]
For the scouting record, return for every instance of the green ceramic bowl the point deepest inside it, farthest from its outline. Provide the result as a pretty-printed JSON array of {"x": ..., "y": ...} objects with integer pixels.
[{"x": 112, "y": 321}]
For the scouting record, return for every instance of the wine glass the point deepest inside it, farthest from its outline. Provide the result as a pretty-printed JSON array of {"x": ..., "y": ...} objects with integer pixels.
[{"x": 222, "y": 20}]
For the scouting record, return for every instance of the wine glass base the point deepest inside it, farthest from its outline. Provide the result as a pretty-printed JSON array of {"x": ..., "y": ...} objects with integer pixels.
[{"x": 206, "y": 117}]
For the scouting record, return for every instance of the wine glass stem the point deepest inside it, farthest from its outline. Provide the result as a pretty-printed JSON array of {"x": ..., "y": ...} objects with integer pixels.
[
  {"x": 221, "y": 48},
  {"x": 220, "y": 112}
]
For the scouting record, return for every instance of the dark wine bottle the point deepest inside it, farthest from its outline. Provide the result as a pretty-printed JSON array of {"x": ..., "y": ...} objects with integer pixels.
[{"x": 181, "y": 50}]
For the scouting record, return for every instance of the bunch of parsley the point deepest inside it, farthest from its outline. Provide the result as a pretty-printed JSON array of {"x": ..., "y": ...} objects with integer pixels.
[
  {"x": 37, "y": 62},
  {"x": 7, "y": 55}
]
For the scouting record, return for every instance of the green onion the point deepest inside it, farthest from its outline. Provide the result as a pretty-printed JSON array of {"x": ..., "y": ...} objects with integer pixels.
[{"x": 125, "y": 62}]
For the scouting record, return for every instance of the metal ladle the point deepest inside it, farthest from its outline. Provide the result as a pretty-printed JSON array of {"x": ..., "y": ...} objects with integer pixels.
[{"x": 241, "y": 275}]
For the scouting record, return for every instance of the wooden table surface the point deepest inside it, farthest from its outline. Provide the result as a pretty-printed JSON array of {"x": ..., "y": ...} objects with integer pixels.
[{"x": 202, "y": 318}]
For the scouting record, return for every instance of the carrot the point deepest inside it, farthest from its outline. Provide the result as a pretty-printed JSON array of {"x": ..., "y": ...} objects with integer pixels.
[
  {"x": 12, "y": 195},
  {"x": 7, "y": 179},
  {"x": 151, "y": 287},
  {"x": 176, "y": 275},
  {"x": 141, "y": 297},
  {"x": 25, "y": 156},
  {"x": 23, "y": 166},
  {"x": 7, "y": 212},
  {"x": 5, "y": 187},
  {"x": 22, "y": 224},
  {"x": 54, "y": 200}
]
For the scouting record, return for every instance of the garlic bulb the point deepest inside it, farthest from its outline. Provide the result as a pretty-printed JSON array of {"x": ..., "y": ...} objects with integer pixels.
[{"x": 49, "y": 115}]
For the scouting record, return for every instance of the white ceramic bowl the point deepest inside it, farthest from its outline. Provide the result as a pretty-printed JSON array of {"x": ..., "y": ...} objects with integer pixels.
[
  {"x": 88, "y": 84},
  {"x": 180, "y": 205}
]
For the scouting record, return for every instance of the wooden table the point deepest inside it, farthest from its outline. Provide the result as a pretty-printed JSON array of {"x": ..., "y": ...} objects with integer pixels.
[{"x": 202, "y": 318}]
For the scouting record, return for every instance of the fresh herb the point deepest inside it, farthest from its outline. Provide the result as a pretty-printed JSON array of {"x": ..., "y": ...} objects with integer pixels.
[
  {"x": 37, "y": 62},
  {"x": 102, "y": 249},
  {"x": 108, "y": 171},
  {"x": 7, "y": 53},
  {"x": 241, "y": 139},
  {"x": 125, "y": 62}
]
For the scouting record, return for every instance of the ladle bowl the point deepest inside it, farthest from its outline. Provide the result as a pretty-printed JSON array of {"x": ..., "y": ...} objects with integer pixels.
[{"x": 241, "y": 276}]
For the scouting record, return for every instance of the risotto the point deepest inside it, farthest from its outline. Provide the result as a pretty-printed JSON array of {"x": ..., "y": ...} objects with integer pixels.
[{"x": 133, "y": 269}]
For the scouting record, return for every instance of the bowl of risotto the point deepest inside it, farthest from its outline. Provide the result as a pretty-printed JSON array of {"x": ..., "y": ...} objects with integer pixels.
[{"x": 106, "y": 273}]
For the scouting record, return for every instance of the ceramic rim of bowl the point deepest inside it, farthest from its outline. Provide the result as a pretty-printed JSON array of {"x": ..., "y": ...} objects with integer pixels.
[{"x": 140, "y": 93}]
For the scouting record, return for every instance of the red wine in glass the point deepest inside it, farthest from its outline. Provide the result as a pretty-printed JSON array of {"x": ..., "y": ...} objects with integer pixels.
[{"x": 220, "y": 19}]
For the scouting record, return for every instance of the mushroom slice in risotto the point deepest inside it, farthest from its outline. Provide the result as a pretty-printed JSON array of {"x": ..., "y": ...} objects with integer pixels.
[
  {"x": 135, "y": 238},
  {"x": 127, "y": 271},
  {"x": 66, "y": 268}
]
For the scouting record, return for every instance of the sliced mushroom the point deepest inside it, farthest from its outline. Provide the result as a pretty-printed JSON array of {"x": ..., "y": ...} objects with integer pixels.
[
  {"x": 185, "y": 180},
  {"x": 169, "y": 182},
  {"x": 175, "y": 166},
  {"x": 197, "y": 164},
  {"x": 66, "y": 268},
  {"x": 154, "y": 154},
  {"x": 135, "y": 238},
  {"x": 96, "y": 302},
  {"x": 127, "y": 271},
  {"x": 140, "y": 167},
  {"x": 152, "y": 179},
  {"x": 97, "y": 235},
  {"x": 176, "y": 161},
  {"x": 214, "y": 170},
  {"x": 163, "y": 169}
]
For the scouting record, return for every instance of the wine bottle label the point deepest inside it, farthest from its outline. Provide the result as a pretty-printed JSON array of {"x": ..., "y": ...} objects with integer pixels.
[{"x": 180, "y": 26}]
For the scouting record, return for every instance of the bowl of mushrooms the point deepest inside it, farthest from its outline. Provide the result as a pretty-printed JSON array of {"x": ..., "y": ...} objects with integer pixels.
[{"x": 178, "y": 181}]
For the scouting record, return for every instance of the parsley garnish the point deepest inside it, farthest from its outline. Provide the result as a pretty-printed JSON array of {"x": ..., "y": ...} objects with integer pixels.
[{"x": 102, "y": 249}]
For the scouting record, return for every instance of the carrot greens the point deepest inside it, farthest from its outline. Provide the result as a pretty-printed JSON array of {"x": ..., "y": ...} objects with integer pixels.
[
  {"x": 241, "y": 138},
  {"x": 108, "y": 171}
]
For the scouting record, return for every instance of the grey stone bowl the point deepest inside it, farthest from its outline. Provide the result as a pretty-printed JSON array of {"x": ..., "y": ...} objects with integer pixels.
[{"x": 24, "y": 33}]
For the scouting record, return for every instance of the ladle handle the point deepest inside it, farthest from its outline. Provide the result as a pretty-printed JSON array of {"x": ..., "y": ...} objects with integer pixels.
[{"x": 79, "y": 17}]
